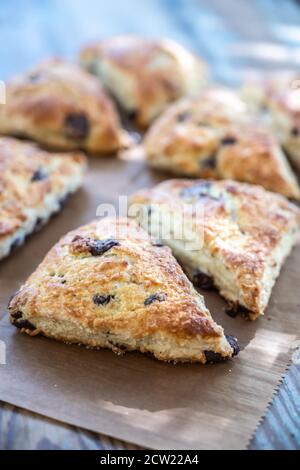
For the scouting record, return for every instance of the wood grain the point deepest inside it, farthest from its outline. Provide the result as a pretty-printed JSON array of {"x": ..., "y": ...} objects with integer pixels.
[
  {"x": 280, "y": 428},
  {"x": 234, "y": 37}
]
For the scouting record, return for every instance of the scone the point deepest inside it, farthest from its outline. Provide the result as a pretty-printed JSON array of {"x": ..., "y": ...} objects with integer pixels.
[
  {"x": 63, "y": 107},
  {"x": 33, "y": 185},
  {"x": 108, "y": 285},
  {"x": 280, "y": 97},
  {"x": 214, "y": 136},
  {"x": 144, "y": 75},
  {"x": 231, "y": 235}
]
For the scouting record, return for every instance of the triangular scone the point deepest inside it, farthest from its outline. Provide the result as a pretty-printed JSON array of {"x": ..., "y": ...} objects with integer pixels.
[
  {"x": 34, "y": 184},
  {"x": 61, "y": 106},
  {"x": 214, "y": 136},
  {"x": 107, "y": 285},
  {"x": 236, "y": 236},
  {"x": 144, "y": 75},
  {"x": 279, "y": 98}
]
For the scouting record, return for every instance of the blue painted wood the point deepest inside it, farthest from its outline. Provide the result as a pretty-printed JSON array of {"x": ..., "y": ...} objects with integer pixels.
[{"x": 235, "y": 37}]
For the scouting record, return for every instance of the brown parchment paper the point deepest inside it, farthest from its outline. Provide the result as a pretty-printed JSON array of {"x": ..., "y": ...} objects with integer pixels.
[{"x": 134, "y": 397}]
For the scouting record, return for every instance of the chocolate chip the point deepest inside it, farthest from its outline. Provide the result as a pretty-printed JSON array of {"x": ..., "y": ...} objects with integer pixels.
[
  {"x": 234, "y": 344},
  {"x": 157, "y": 243},
  {"x": 39, "y": 175},
  {"x": 209, "y": 162},
  {"x": 159, "y": 297},
  {"x": 76, "y": 126},
  {"x": 15, "y": 244},
  {"x": 184, "y": 116},
  {"x": 213, "y": 357},
  {"x": 27, "y": 325},
  {"x": 62, "y": 202},
  {"x": 39, "y": 223},
  {"x": 202, "y": 280},
  {"x": 235, "y": 309},
  {"x": 295, "y": 131},
  {"x": 91, "y": 245},
  {"x": 16, "y": 315},
  {"x": 228, "y": 140},
  {"x": 231, "y": 312},
  {"x": 34, "y": 77},
  {"x": 98, "y": 247},
  {"x": 132, "y": 115},
  {"x": 102, "y": 299}
]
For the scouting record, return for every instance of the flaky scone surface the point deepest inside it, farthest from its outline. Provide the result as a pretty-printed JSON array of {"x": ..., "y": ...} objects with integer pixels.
[
  {"x": 214, "y": 135},
  {"x": 33, "y": 184},
  {"x": 61, "y": 106},
  {"x": 144, "y": 75},
  {"x": 243, "y": 233},
  {"x": 108, "y": 285}
]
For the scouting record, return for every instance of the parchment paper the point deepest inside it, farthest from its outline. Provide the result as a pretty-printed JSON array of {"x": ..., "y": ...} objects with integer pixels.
[{"x": 134, "y": 397}]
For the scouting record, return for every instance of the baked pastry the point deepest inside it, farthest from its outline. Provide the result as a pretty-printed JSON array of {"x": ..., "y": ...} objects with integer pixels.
[
  {"x": 108, "y": 285},
  {"x": 214, "y": 136},
  {"x": 144, "y": 75},
  {"x": 280, "y": 97},
  {"x": 33, "y": 185},
  {"x": 231, "y": 235},
  {"x": 61, "y": 106}
]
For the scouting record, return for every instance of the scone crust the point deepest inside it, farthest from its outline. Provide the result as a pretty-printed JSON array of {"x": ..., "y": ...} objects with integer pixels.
[
  {"x": 214, "y": 136},
  {"x": 153, "y": 73},
  {"x": 134, "y": 290},
  {"x": 33, "y": 185},
  {"x": 61, "y": 106},
  {"x": 246, "y": 233}
]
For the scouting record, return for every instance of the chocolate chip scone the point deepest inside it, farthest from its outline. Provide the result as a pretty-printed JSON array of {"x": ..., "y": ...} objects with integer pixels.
[
  {"x": 234, "y": 236},
  {"x": 33, "y": 185},
  {"x": 279, "y": 98},
  {"x": 144, "y": 75},
  {"x": 108, "y": 285},
  {"x": 61, "y": 106},
  {"x": 215, "y": 136}
]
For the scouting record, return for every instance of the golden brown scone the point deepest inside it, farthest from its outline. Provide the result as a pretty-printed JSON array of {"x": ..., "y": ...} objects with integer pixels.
[
  {"x": 280, "y": 97},
  {"x": 234, "y": 235},
  {"x": 33, "y": 185},
  {"x": 61, "y": 106},
  {"x": 144, "y": 75},
  {"x": 214, "y": 136},
  {"x": 107, "y": 284}
]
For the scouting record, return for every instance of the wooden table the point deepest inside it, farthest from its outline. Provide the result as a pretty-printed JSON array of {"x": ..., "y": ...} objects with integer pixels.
[{"x": 237, "y": 37}]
